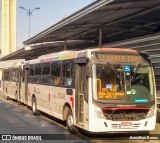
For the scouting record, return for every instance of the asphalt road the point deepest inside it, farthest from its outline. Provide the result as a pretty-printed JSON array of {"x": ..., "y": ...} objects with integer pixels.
[{"x": 18, "y": 119}]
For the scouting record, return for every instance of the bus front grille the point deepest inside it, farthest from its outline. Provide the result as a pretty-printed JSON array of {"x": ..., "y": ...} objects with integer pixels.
[{"x": 125, "y": 115}]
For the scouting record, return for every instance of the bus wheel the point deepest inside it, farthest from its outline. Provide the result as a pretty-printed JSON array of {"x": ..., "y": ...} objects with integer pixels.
[
  {"x": 19, "y": 102},
  {"x": 70, "y": 124},
  {"x": 34, "y": 107}
]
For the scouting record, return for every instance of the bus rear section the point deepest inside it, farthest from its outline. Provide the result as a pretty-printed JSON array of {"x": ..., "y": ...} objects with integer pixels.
[
  {"x": 12, "y": 81},
  {"x": 122, "y": 91}
]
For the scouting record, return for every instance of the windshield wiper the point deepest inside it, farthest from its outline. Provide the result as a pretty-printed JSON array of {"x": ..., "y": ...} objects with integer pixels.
[
  {"x": 117, "y": 74},
  {"x": 134, "y": 74}
]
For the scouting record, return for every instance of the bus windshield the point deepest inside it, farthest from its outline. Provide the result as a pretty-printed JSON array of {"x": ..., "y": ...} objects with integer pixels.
[{"x": 126, "y": 83}]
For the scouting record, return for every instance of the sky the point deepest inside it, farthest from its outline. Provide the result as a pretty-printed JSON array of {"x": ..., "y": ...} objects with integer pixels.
[{"x": 50, "y": 12}]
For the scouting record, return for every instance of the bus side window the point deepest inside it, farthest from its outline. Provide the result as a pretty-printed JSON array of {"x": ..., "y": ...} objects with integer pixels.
[
  {"x": 38, "y": 70},
  {"x": 67, "y": 73},
  {"x": 55, "y": 73},
  {"x": 6, "y": 75},
  {"x": 46, "y": 73},
  {"x": 13, "y": 75},
  {"x": 31, "y": 73}
]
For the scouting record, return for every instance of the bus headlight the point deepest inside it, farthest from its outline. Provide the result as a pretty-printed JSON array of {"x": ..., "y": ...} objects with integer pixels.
[
  {"x": 98, "y": 112},
  {"x": 150, "y": 112}
]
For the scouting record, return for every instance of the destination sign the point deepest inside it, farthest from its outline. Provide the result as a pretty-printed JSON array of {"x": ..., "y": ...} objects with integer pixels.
[{"x": 119, "y": 58}]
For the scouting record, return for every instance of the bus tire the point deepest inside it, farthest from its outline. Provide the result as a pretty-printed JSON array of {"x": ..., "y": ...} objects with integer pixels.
[
  {"x": 34, "y": 107},
  {"x": 70, "y": 123},
  {"x": 19, "y": 103}
]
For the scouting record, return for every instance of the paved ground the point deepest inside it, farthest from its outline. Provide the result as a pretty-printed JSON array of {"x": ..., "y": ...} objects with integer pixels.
[{"x": 18, "y": 119}]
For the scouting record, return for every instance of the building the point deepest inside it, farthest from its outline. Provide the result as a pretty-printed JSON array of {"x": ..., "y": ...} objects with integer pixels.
[{"x": 8, "y": 27}]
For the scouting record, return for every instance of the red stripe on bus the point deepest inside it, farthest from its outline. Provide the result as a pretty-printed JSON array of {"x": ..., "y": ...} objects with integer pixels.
[
  {"x": 127, "y": 108},
  {"x": 72, "y": 100}
]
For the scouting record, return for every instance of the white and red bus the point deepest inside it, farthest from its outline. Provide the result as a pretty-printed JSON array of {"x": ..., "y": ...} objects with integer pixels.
[
  {"x": 11, "y": 78},
  {"x": 98, "y": 90}
]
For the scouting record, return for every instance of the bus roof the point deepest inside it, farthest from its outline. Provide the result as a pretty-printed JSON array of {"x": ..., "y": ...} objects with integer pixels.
[
  {"x": 64, "y": 55},
  {"x": 55, "y": 54},
  {"x": 11, "y": 63},
  {"x": 118, "y": 50}
]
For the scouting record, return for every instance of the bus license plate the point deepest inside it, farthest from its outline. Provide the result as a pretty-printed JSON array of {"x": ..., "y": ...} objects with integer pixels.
[{"x": 126, "y": 124}]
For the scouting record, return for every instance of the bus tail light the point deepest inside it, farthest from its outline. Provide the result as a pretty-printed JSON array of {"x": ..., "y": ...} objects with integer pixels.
[{"x": 151, "y": 112}]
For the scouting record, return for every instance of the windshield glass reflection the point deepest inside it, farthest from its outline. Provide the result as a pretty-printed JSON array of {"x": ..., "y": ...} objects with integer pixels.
[{"x": 123, "y": 82}]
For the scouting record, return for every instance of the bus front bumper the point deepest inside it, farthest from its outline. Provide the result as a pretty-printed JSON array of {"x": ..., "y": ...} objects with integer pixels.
[{"x": 102, "y": 125}]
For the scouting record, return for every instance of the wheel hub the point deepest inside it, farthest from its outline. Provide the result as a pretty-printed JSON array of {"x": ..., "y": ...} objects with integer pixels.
[
  {"x": 70, "y": 120},
  {"x": 34, "y": 106}
]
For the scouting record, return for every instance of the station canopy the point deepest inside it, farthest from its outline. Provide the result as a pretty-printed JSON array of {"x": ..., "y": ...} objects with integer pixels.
[{"x": 108, "y": 20}]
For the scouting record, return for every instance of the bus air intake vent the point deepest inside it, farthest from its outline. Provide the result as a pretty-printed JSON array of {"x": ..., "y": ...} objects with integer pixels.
[{"x": 125, "y": 115}]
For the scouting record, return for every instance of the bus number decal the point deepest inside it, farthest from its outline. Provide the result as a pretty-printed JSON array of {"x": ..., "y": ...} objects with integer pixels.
[
  {"x": 54, "y": 96},
  {"x": 61, "y": 96}
]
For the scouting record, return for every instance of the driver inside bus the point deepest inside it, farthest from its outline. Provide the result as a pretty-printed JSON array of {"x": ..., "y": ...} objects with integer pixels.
[{"x": 139, "y": 80}]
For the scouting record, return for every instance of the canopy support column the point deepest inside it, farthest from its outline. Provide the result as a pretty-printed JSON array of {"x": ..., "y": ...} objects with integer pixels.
[
  {"x": 100, "y": 36},
  {"x": 65, "y": 45}
]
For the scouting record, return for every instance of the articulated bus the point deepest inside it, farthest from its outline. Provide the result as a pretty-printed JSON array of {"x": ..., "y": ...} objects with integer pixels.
[{"x": 97, "y": 90}]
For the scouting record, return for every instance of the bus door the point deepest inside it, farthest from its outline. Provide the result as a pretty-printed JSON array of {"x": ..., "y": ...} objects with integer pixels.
[
  {"x": 26, "y": 74},
  {"x": 81, "y": 87},
  {"x": 2, "y": 84},
  {"x": 19, "y": 84}
]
